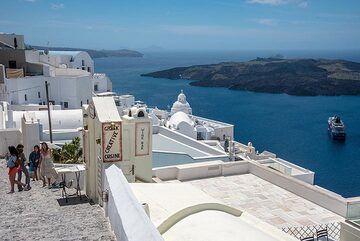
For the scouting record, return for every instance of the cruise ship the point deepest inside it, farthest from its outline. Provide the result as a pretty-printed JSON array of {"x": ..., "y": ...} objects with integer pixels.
[
  {"x": 336, "y": 128},
  {"x": 149, "y": 174}
]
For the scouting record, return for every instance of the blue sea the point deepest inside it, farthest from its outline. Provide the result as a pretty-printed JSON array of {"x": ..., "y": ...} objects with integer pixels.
[{"x": 295, "y": 128}]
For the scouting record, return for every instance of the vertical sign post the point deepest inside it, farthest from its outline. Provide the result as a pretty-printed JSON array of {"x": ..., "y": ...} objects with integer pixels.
[
  {"x": 142, "y": 132},
  {"x": 111, "y": 142}
]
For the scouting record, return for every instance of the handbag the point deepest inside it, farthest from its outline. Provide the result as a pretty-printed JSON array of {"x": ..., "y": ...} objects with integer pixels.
[{"x": 11, "y": 162}]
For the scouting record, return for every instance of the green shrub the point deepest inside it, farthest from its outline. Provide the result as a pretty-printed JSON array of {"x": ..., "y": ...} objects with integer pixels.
[{"x": 70, "y": 153}]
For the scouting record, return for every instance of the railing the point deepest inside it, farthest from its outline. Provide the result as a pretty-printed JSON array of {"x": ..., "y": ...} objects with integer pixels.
[{"x": 333, "y": 230}]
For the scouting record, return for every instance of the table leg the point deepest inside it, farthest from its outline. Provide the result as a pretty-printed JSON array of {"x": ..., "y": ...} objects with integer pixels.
[
  {"x": 78, "y": 190},
  {"x": 64, "y": 187}
]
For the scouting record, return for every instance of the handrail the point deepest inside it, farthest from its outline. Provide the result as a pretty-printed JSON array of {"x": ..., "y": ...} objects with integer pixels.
[{"x": 183, "y": 213}]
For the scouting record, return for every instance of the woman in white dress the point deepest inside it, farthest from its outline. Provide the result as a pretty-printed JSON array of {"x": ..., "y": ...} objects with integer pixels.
[{"x": 47, "y": 168}]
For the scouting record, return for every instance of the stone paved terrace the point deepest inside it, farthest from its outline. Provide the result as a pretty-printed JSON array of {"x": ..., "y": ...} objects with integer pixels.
[
  {"x": 37, "y": 215},
  {"x": 265, "y": 200}
]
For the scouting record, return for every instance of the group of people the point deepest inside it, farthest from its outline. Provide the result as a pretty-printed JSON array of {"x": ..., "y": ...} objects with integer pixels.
[{"x": 40, "y": 166}]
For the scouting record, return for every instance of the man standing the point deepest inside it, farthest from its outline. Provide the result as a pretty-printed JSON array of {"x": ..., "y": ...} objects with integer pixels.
[{"x": 23, "y": 169}]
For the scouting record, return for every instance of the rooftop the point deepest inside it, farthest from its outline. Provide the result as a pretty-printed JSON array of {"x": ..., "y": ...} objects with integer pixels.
[
  {"x": 166, "y": 199},
  {"x": 264, "y": 200}
]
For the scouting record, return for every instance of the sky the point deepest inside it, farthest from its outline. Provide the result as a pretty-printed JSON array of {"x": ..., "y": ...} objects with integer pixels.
[{"x": 186, "y": 24}]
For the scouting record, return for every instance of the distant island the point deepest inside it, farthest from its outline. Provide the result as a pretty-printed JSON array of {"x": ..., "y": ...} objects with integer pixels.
[
  {"x": 94, "y": 53},
  {"x": 301, "y": 77}
]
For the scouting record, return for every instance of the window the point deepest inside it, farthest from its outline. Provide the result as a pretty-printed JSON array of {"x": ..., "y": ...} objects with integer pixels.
[
  {"x": 87, "y": 101},
  {"x": 89, "y": 69},
  {"x": 96, "y": 87},
  {"x": 83, "y": 62},
  {"x": 66, "y": 105},
  {"x": 12, "y": 64},
  {"x": 25, "y": 97},
  {"x": 39, "y": 95},
  {"x": 141, "y": 114},
  {"x": 83, "y": 68},
  {"x": 80, "y": 103}
]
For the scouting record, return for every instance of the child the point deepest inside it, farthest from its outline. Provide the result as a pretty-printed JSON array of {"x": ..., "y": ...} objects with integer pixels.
[{"x": 13, "y": 164}]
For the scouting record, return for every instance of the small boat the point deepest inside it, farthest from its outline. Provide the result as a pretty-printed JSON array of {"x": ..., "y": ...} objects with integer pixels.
[{"x": 336, "y": 128}]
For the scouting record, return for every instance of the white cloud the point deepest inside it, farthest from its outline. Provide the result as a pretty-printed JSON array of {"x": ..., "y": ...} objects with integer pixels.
[
  {"x": 299, "y": 3},
  {"x": 266, "y": 21},
  {"x": 57, "y": 6}
]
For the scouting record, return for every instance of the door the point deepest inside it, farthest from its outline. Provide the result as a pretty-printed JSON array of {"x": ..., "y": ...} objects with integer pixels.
[{"x": 12, "y": 64}]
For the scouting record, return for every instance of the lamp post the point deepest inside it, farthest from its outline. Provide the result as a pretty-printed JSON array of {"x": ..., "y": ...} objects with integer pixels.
[{"x": 48, "y": 107}]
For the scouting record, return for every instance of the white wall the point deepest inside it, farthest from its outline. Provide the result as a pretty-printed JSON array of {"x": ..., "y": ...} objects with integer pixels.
[
  {"x": 349, "y": 232},
  {"x": 9, "y": 39},
  {"x": 103, "y": 83},
  {"x": 127, "y": 217},
  {"x": 61, "y": 119},
  {"x": 9, "y": 137},
  {"x": 88, "y": 62},
  {"x": 62, "y": 89},
  {"x": 32, "y": 56}
]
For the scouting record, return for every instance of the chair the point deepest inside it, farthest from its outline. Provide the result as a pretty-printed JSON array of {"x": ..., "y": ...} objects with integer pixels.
[
  {"x": 308, "y": 239},
  {"x": 323, "y": 233}
]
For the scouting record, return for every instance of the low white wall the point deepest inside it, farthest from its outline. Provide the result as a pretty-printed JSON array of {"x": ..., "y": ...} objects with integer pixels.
[
  {"x": 349, "y": 232},
  {"x": 9, "y": 137},
  {"x": 127, "y": 217},
  {"x": 321, "y": 197},
  {"x": 353, "y": 211},
  {"x": 201, "y": 170}
]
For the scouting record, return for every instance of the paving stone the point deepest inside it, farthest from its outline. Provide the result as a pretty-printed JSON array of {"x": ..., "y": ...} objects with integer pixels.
[{"x": 37, "y": 215}]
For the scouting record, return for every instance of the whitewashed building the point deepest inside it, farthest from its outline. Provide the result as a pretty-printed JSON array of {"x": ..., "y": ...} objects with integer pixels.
[{"x": 70, "y": 75}]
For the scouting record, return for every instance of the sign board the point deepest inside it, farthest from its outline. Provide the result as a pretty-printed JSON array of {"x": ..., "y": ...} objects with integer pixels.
[
  {"x": 142, "y": 137},
  {"x": 111, "y": 142}
]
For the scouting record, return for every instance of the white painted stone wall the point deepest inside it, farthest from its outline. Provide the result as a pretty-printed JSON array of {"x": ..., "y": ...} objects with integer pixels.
[
  {"x": 127, "y": 217},
  {"x": 74, "y": 90},
  {"x": 9, "y": 137},
  {"x": 349, "y": 232}
]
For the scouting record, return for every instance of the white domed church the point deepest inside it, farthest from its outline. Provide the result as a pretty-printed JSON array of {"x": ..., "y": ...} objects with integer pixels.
[{"x": 181, "y": 105}]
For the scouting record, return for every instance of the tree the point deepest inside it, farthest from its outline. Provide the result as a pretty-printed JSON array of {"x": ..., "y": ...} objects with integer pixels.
[{"x": 70, "y": 153}]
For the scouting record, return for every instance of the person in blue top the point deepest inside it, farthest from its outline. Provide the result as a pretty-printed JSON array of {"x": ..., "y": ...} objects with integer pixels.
[
  {"x": 34, "y": 159},
  {"x": 13, "y": 163}
]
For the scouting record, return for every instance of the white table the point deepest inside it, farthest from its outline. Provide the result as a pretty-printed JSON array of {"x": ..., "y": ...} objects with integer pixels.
[{"x": 66, "y": 169}]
